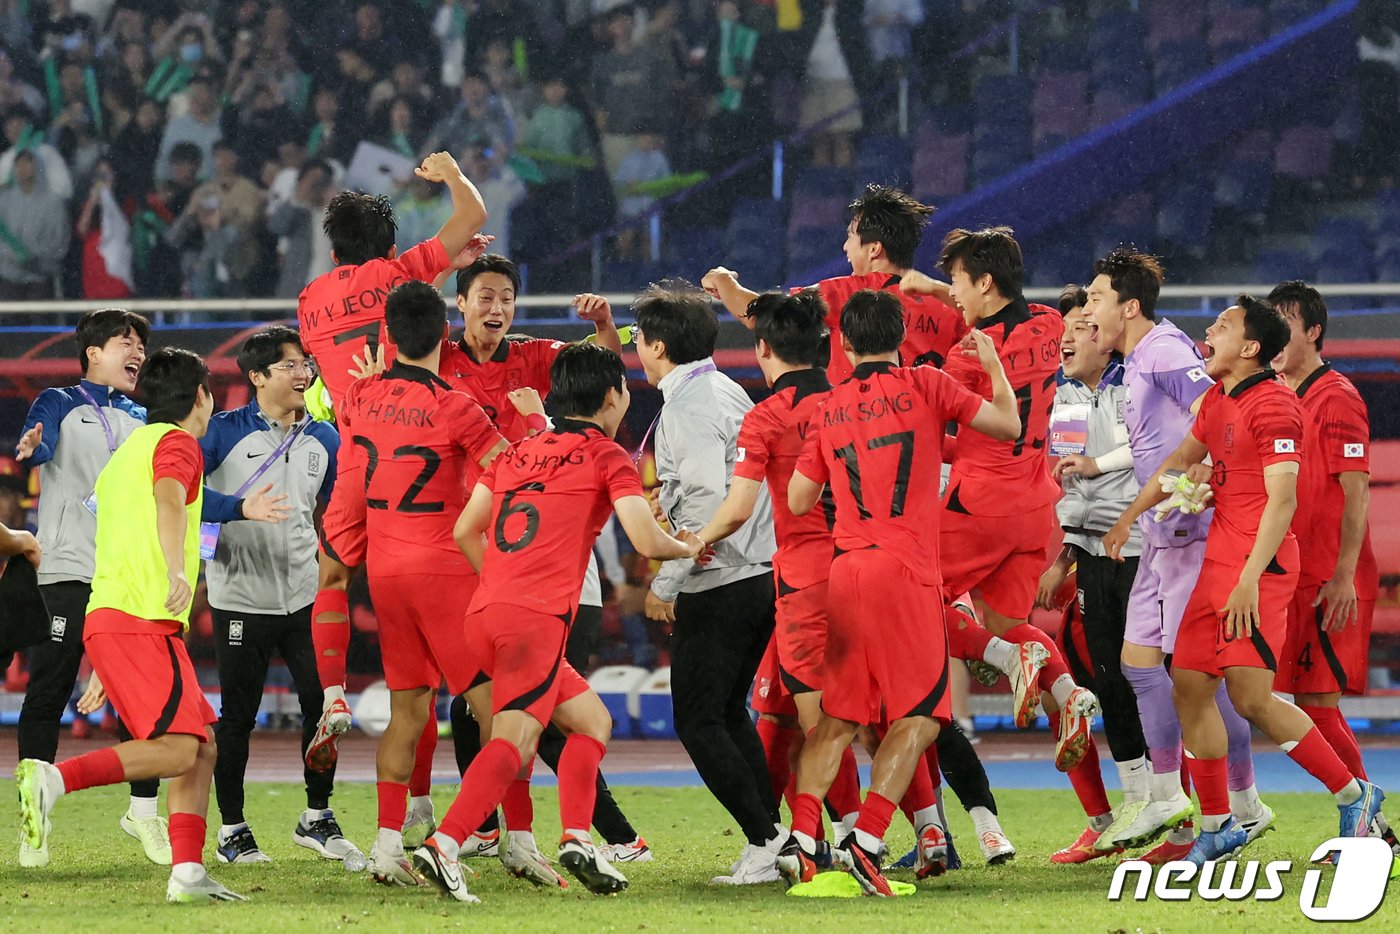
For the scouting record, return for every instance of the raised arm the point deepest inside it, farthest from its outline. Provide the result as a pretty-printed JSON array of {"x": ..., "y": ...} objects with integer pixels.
[
  {"x": 724, "y": 285},
  {"x": 468, "y": 210}
]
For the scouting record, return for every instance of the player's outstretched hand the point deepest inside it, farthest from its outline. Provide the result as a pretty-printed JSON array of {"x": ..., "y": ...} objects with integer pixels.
[
  {"x": 180, "y": 593},
  {"x": 978, "y": 344},
  {"x": 592, "y": 307},
  {"x": 1114, "y": 540},
  {"x": 1076, "y": 465},
  {"x": 1241, "y": 610},
  {"x": 262, "y": 506},
  {"x": 710, "y": 281},
  {"x": 476, "y": 248},
  {"x": 438, "y": 167},
  {"x": 29, "y": 442},
  {"x": 527, "y": 401},
  {"x": 94, "y": 697},
  {"x": 659, "y": 610},
  {"x": 371, "y": 364},
  {"x": 1338, "y": 601}
]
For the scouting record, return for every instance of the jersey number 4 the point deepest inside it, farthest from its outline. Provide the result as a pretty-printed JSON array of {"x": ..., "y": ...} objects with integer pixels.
[
  {"x": 409, "y": 502},
  {"x": 849, "y": 454}
]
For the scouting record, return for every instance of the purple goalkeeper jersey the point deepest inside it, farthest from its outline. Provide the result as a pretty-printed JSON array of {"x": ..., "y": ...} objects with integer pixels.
[{"x": 1163, "y": 377}]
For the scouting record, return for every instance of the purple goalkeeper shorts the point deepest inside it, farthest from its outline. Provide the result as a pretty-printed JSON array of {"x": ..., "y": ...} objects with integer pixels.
[{"x": 1165, "y": 579}]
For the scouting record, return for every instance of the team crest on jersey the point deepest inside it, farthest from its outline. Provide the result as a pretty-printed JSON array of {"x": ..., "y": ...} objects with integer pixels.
[
  {"x": 235, "y": 632},
  {"x": 313, "y": 463},
  {"x": 512, "y": 380},
  {"x": 57, "y": 628},
  {"x": 1230, "y": 437},
  {"x": 1284, "y": 446},
  {"x": 1353, "y": 450}
]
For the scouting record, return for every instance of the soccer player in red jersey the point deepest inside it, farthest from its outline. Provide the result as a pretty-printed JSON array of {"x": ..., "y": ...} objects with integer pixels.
[
  {"x": 529, "y": 529},
  {"x": 875, "y": 440},
  {"x": 420, "y": 441},
  {"x": 885, "y": 228},
  {"x": 1329, "y": 627},
  {"x": 147, "y": 565},
  {"x": 790, "y": 341},
  {"x": 340, "y": 313},
  {"x": 1236, "y": 622},
  {"x": 1000, "y": 501}
]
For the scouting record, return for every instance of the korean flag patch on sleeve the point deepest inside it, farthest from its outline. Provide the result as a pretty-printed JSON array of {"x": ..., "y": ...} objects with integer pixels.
[
  {"x": 1285, "y": 446},
  {"x": 1353, "y": 450}
]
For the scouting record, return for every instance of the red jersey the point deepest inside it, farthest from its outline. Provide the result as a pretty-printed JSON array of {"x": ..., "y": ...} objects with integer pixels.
[
  {"x": 931, "y": 328},
  {"x": 418, "y": 440},
  {"x": 1003, "y": 478},
  {"x": 515, "y": 364},
  {"x": 879, "y": 444},
  {"x": 770, "y": 442},
  {"x": 343, "y": 310},
  {"x": 1255, "y": 425},
  {"x": 1337, "y": 438},
  {"x": 550, "y": 496}
]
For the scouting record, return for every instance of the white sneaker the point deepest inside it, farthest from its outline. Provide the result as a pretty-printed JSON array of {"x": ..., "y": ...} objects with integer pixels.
[
  {"x": 1256, "y": 825},
  {"x": 203, "y": 890},
  {"x": 391, "y": 868},
  {"x": 757, "y": 865},
  {"x": 481, "y": 844},
  {"x": 418, "y": 825},
  {"x": 36, "y": 780},
  {"x": 1123, "y": 817},
  {"x": 589, "y": 866},
  {"x": 1154, "y": 820},
  {"x": 152, "y": 833},
  {"x": 31, "y": 858},
  {"x": 635, "y": 852},
  {"x": 996, "y": 847},
  {"x": 442, "y": 872},
  {"x": 522, "y": 859}
]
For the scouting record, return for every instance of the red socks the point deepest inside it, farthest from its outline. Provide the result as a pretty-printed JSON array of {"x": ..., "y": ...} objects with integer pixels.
[
  {"x": 1211, "y": 778},
  {"x": 1086, "y": 778},
  {"x": 330, "y": 635},
  {"x": 967, "y": 638},
  {"x": 875, "y": 815},
  {"x": 844, "y": 793},
  {"x": 393, "y": 804},
  {"x": 92, "y": 769},
  {"x": 421, "y": 784},
  {"x": 1025, "y": 632},
  {"x": 920, "y": 793},
  {"x": 1338, "y": 734},
  {"x": 484, "y": 784},
  {"x": 578, "y": 781},
  {"x": 187, "y": 833},
  {"x": 807, "y": 815},
  {"x": 517, "y": 806},
  {"x": 777, "y": 744},
  {"x": 1314, "y": 753}
]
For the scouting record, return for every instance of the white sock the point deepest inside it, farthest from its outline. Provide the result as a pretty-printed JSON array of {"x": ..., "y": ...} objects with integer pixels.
[
  {"x": 807, "y": 843},
  {"x": 868, "y": 841},
  {"x": 1213, "y": 822},
  {"x": 777, "y": 841},
  {"x": 226, "y": 831},
  {"x": 1245, "y": 803},
  {"x": 420, "y": 804},
  {"x": 446, "y": 845},
  {"x": 1134, "y": 776},
  {"x": 332, "y": 694},
  {"x": 850, "y": 821},
  {"x": 1165, "y": 785},
  {"x": 581, "y": 835},
  {"x": 983, "y": 821},
  {"x": 312, "y": 814},
  {"x": 1182, "y": 835},
  {"x": 526, "y": 838},
  {"x": 925, "y": 816},
  {"x": 1100, "y": 822},
  {"x": 188, "y": 873},
  {"x": 1002, "y": 654},
  {"x": 1350, "y": 794},
  {"x": 389, "y": 841},
  {"x": 1061, "y": 690},
  {"x": 143, "y": 808}
]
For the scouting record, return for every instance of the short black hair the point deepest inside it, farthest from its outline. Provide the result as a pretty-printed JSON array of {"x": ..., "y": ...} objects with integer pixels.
[
  {"x": 793, "y": 325},
  {"x": 580, "y": 378},
  {"x": 361, "y": 227},
  {"x": 96, "y": 328},
  {"x": 416, "y": 317},
  {"x": 169, "y": 384},
  {"x": 264, "y": 348},
  {"x": 1265, "y": 324},
  {"x": 676, "y": 312},
  {"x": 1311, "y": 308},
  {"x": 488, "y": 262},
  {"x": 186, "y": 152},
  {"x": 990, "y": 251},
  {"x": 891, "y": 218},
  {"x": 1072, "y": 296},
  {"x": 873, "y": 322},
  {"x": 1133, "y": 274}
]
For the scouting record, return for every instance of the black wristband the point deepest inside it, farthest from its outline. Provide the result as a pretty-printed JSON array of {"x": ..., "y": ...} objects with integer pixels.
[{"x": 240, "y": 509}]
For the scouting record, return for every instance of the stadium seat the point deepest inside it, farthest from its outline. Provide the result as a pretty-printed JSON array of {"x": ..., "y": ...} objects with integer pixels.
[
  {"x": 810, "y": 211},
  {"x": 1127, "y": 78},
  {"x": 996, "y": 95},
  {"x": 1234, "y": 27},
  {"x": 1108, "y": 107},
  {"x": 1343, "y": 235},
  {"x": 883, "y": 159},
  {"x": 940, "y": 167},
  {"x": 1244, "y": 186},
  {"x": 1177, "y": 21},
  {"x": 760, "y": 264},
  {"x": 1278, "y": 265},
  {"x": 1388, "y": 212},
  {"x": 1343, "y": 265},
  {"x": 1117, "y": 33},
  {"x": 693, "y": 251},
  {"x": 1177, "y": 62},
  {"x": 1304, "y": 153},
  {"x": 826, "y": 181},
  {"x": 1285, "y": 13}
]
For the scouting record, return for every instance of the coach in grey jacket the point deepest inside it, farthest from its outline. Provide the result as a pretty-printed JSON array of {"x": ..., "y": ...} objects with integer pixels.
[
  {"x": 262, "y": 578},
  {"x": 721, "y": 613},
  {"x": 1088, "y": 433}
]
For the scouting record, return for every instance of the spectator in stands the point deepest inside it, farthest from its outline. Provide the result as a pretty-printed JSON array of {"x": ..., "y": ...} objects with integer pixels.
[
  {"x": 205, "y": 244},
  {"x": 374, "y": 46},
  {"x": 479, "y": 118},
  {"x": 507, "y": 21},
  {"x": 889, "y": 24},
  {"x": 829, "y": 86},
  {"x": 22, "y": 135},
  {"x": 397, "y": 128},
  {"x": 104, "y": 236},
  {"x": 134, "y": 152},
  {"x": 64, "y": 32},
  {"x": 334, "y": 134},
  {"x": 450, "y": 30},
  {"x": 507, "y": 77},
  {"x": 304, "y": 249},
  {"x": 157, "y": 266},
  {"x": 501, "y": 190},
  {"x": 241, "y": 207},
  {"x": 406, "y": 80},
  {"x": 260, "y": 121},
  {"x": 200, "y": 126},
  {"x": 124, "y": 85},
  {"x": 1378, "y": 92},
  {"x": 189, "y": 40},
  {"x": 632, "y": 89},
  {"x": 645, "y": 163},
  {"x": 33, "y": 234},
  {"x": 557, "y": 135},
  {"x": 355, "y": 77},
  {"x": 75, "y": 138},
  {"x": 15, "y": 91}
]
